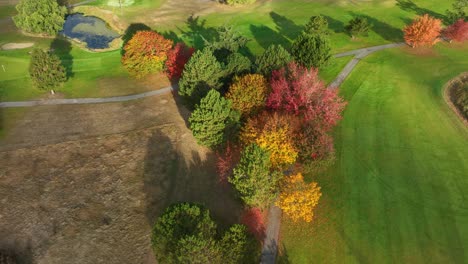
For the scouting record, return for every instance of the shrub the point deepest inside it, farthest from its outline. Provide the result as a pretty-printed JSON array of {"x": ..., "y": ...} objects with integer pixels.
[
  {"x": 458, "y": 31},
  {"x": 298, "y": 199},
  {"x": 145, "y": 53},
  {"x": 424, "y": 30},
  {"x": 252, "y": 177},
  {"x": 40, "y": 16},
  {"x": 255, "y": 222},
  {"x": 201, "y": 73},
  {"x": 311, "y": 50},
  {"x": 211, "y": 118},
  {"x": 273, "y": 58},
  {"x": 46, "y": 70},
  {"x": 226, "y": 160},
  {"x": 358, "y": 26},
  {"x": 248, "y": 93},
  {"x": 177, "y": 57}
]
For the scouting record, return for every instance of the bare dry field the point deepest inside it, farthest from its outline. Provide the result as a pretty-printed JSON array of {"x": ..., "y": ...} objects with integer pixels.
[{"x": 83, "y": 184}]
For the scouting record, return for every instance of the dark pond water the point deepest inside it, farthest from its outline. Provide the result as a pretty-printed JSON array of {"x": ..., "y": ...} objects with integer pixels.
[{"x": 91, "y": 30}]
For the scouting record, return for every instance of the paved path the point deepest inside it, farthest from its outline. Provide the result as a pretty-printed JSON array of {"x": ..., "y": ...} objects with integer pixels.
[
  {"x": 270, "y": 244},
  {"x": 359, "y": 54},
  {"x": 87, "y": 100}
]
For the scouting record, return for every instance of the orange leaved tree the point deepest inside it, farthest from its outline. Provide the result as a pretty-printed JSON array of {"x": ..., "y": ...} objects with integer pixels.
[
  {"x": 145, "y": 53},
  {"x": 248, "y": 93},
  {"x": 297, "y": 198},
  {"x": 274, "y": 133},
  {"x": 425, "y": 30}
]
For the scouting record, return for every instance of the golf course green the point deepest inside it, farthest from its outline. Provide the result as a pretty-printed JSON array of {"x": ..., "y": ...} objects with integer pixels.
[{"x": 397, "y": 193}]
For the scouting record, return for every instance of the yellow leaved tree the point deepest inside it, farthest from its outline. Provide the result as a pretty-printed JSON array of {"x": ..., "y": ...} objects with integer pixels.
[{"x": 297, "y": 198}]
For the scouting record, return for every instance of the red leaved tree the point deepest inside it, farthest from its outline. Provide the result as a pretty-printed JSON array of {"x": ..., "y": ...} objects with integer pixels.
[
  {"x": 254, "y": 220},
  {"x": 458, "y": 31},
  {"x": 425, "y": 30},
  {"x": 176, "y": 60},
  {"x": 225, "y": 162},
  {"x": 299, "y": 91},
  {"x": 145, "y": 53}
]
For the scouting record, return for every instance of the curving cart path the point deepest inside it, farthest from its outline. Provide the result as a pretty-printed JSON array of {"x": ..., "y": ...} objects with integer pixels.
[{"x": 359, "y": 54}]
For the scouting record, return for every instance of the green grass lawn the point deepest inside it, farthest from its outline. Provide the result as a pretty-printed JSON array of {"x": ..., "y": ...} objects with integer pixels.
[
  {"x": 397, "y": 193},
  {"x": 280, "y": 21}
]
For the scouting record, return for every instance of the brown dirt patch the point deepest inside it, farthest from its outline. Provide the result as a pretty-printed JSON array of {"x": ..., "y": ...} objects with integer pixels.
[{"x": 83, "y": 184}]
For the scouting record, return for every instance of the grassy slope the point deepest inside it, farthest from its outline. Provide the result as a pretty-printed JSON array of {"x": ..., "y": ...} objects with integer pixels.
[{"x": 398, "y": 191}]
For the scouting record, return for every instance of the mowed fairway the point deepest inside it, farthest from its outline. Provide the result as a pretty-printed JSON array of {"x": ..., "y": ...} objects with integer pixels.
[{"x": 398, "y": 192}]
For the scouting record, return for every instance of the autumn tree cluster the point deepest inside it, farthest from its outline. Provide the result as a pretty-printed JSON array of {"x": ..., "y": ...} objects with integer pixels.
[
  {"x": 148, "y": 52},
  {"x": 264, "y": 116}
]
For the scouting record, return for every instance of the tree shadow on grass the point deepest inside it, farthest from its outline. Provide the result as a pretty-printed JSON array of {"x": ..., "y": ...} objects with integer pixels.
[
  {"x": 335, "y": 25},
  {"x": 176, "y": 171},
  {"x": 383, "y": 29},
  {"x": 410, "y": 6},
  {"x": 198, "y": 32},
  {"x": 62, "y": 48},
  {"x": 266, "y": 36},
  {"x": 15, "y": 250},
  {"x": 285, "y": 26}
]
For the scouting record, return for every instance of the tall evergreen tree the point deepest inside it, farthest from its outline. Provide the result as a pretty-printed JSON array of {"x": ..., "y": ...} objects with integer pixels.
[
  {"x": 40, "y": 16},
  {"x": 274, "y": 57},
  {"x": 311, "y": 50},
  {"x": 252, "y": 177},
  {"x": 201, "y": 73},
  {"x": 316, "y": 24},
  {"x": 46, "y": 70},
  {"x": 358, "y": 26},
  {"x": 212, "y": 118}
]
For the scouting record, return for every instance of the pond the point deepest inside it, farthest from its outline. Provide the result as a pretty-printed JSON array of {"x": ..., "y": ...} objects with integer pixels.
[{"x": 92, "y": 30}]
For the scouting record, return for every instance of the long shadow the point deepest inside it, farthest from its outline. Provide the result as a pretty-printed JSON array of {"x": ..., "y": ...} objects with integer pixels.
[
  {"x": 383, "y": 29},
  {"x": 335, "y": 25},
  {"x": 410, "y": 6},
  {"x": 266, "y": 36},
  {"x": 174, "y": 172},
  {"x": 283, "y": 256},
  {"x": 131, "y": 31},
  {"x": 62, "y": 47},
  {"x": 285, "y": 26},
  {"x": 198, "y": 32},
  {"x": 14, "y": 251}
]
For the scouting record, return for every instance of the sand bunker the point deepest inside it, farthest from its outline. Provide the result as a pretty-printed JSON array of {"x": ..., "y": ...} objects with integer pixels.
[{"x": 11, "y": 46}]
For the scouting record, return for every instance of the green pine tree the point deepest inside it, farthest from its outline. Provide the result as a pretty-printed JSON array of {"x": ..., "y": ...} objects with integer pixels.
[
  {"x": 317, "y": 24},
  {"x": 311, "y": 50},
  {"x": 213, "y": 119},
  {"x": 273, "y": 58},
  {"x": 201, "y": 73},
  {"x": 46, "y": 70},
  {"x": 358, "y": 26},
  {"x": 252, "y": 177}
]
